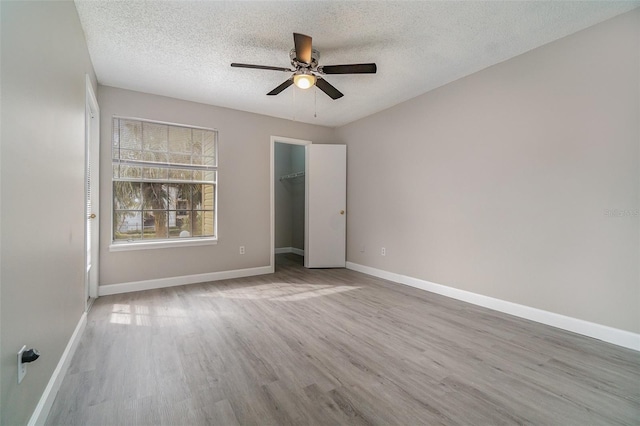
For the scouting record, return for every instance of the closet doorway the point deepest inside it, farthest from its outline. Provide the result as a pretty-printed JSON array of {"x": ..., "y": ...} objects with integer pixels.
[
  {"x": 308, "y": 201},
  {"x": 288, "y": 195}
]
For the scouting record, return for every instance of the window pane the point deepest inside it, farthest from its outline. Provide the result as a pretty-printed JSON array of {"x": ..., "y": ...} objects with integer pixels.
[
  {"x": 208, "y": 196},
  {"x": 116, "y": 136},
  {"x": 196, "y": 144},
  {"x": 184, "y": 224},
  {"x": 155, "y": 157},
  {"x": 179, "y": 224},
  {"x": 196, "y": 225},
  {"x": 129, "y": 154},
  {"x": 127, "y": 195},
  {"x": 155, "y": 224},
  {"x": 209, "y": 176},
  {"x": 202, "y": 197},
  {"x": 180, "y": 174},
  {"x": 130, "y": 134},
  {"x": 127, "y": 225},
  {"x": 155, "y": 173},
  {"x": 180, "y": 195},
  {"x": 179, "y": 139},
  {"x": 154, "y": 196},
  {"x": 155, "y": 137},
  {"x": 179, "y": 158},
  {"x": 131, "y": 172},
  {"x": 204, "y": 160},
  {"x": 196, "y": 197},
  {"x": 184, "y": 221},
  {"x": 209, "y": 143},
  {"x": 203, "y": 224},
  {"x": 209, "y": 224}
]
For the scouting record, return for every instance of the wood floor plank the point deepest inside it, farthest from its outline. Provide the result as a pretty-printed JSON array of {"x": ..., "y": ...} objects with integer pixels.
[{"x": 333, "y": 346}]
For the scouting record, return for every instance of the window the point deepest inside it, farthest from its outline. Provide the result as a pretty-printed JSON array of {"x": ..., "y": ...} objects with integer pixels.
[{"x": 164, "y": 182}]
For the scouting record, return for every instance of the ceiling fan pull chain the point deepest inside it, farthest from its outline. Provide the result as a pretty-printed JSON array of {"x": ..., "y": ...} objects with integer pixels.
[{"x": 315, "y": 102}]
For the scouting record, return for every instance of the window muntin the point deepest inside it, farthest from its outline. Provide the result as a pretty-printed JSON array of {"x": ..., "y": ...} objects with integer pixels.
[{"x": 164, "y": 181}]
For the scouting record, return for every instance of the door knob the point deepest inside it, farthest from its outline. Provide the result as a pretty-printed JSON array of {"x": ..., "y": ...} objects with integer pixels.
[
  {"x": 341, "y": 211},
  {"x": 92, "y": 216}
]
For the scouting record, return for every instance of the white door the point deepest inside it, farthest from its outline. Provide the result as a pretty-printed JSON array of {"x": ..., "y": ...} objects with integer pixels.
[
  {"x": 326, "y": 203},
  {"x": 92, "y": 135}
]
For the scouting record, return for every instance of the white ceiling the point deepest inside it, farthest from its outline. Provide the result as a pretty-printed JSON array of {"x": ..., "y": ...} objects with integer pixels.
[{"x": 184, "y": 49}]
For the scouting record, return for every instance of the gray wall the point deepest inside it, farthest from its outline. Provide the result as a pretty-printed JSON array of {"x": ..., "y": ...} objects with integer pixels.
[
  {"x": 44, "y": 61},
  {"x": 297, "y": 198},
  {"x": 499, "y": 183},
  {"x": 289, "y": 196},
  {"x": 282, "y": 195},
  {"x": 243, "y": 197}
]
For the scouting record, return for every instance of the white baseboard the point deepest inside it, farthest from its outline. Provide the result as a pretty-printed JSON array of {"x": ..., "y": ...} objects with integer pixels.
[
  {"x": 293, "y": 250},
  {"x": 105, "y": 290},
  {"x": 40, "y": 414},
  {"x": 608, "y": 334}
]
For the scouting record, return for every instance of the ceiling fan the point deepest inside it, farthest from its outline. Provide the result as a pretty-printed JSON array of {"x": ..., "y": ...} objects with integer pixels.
[{"x": 307, "y": 72}]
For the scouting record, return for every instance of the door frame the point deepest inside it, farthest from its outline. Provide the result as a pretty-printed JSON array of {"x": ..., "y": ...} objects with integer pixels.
[
  {"x": 290, "y": 141},
  {"x": 92, "y": 150}
]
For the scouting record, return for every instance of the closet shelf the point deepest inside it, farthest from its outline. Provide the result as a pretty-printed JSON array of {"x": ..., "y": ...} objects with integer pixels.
[{"x": 292, "y": 176}]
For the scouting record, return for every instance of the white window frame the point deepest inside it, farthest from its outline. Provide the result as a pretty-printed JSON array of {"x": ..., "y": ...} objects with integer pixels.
[{"x": 166, "y": 243}]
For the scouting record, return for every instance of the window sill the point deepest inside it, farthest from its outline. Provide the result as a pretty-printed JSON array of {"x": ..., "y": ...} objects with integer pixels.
[{"x": 148, "y": 245}]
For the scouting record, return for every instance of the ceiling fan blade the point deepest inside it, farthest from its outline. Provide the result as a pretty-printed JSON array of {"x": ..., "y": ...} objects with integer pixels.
[
  {"x": 349, "y": 69},
  {"x": 328, "y": 89},
  {"x": 281, "y": 87},
  {"x": 303, "y": 47},
  {"x": 261, "y": 67}
]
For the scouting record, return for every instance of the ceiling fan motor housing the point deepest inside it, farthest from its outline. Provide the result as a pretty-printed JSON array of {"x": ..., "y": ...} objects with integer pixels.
[{"x": 313, "y": 65}]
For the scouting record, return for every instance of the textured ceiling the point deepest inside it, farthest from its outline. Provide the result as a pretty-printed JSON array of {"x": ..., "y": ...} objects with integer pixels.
[{"x": 184, "y": 49}]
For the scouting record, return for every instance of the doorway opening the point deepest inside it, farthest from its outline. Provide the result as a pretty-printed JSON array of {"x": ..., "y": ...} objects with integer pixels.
[
  {"x": 288, "y": 196},
  {"x": 92, "y": 199}
]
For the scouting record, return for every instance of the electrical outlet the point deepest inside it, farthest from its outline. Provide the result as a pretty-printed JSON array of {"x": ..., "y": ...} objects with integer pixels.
[
  {"x": 22, "y": 368},
  {"x": 362, "y": 249},
  {"x": 241, "y": 249},
  {"x": 383, "y": 252}
]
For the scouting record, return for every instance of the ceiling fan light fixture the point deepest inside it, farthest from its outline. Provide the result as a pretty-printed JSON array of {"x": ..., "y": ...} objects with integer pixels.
[{"x": 304, "y": 80}]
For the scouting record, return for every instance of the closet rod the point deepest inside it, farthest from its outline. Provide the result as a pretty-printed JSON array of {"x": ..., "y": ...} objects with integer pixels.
[{"x": 292, "y": 175}]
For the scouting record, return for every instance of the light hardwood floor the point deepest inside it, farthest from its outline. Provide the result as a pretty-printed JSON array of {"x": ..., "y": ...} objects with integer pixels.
[{"x": 334, "y": 347}]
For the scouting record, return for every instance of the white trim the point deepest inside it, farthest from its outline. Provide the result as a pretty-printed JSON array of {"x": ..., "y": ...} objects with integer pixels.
[
  {"x": 608, "y": 334},
  {"x": 162, "y": 244},
  {"x": 293, "y": 250},
  {"x": 292, "y": 141},
  {"x": 272, "y": 190},
  {"x": 108, "y": 289},
  {"x": 41, "y": 412}
]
